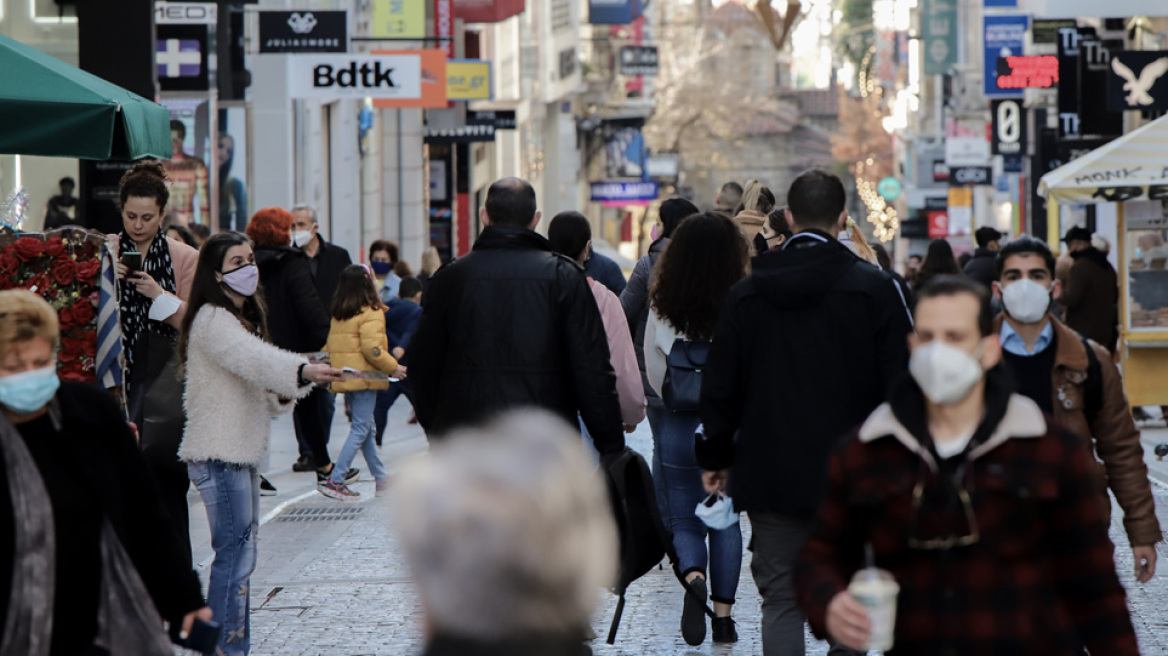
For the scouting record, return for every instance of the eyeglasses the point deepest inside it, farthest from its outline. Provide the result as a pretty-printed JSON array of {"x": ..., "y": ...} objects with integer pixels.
[{"x": 950, "y": 542}]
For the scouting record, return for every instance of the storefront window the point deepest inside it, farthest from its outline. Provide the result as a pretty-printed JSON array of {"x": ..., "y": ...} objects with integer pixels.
[{"x": 1147, "y": 264}]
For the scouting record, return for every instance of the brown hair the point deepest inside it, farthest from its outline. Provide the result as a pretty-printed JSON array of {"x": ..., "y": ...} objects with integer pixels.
[
  {"x": 146, "y": 179},
  {"x": 24, "y": 316},
  {"x": 355, "y": 292},
  {"x": 384, "y": 245},
  {"x": 706, "y": 256}
]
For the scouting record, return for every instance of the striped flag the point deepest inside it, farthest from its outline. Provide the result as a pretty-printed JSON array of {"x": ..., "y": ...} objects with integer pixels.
[{"x": 109, "y": 329}]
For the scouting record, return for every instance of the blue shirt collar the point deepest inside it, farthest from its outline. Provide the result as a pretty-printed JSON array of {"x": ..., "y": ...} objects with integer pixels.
[{"x": 1013, "y": 343}]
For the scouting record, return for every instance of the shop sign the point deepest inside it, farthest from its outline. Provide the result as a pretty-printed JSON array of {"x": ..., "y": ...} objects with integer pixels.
[
  {"x": 638, "y": 60},
  {"x": 1046, "y": 31},
  {"x": 185, "y": 13},
  {"x": 970, "y": 176},
  {"x": 304, "y": 31},
  {"x": 938, "y": 223},
  {"x": 966, "y": 151},
  {"x": 398, "y": 19},
  {"x": 487, "y": 11},
  {"x": 433, "y": 81},
  {"x": 1005, "y": 36},
  {"x": 355, "y": 76},
  {"x": 939, "y": 25},
  {"x": 1028, "y": 72},
  {"x": 889, "y": 188},
  {"x": 1138, "y": 80},
  {"x": 499, "y": 119},
  {"x": 1009, "y": 127},
  {"x": 940, "y": 171},
  {"x": 468, "y": 79},
  {"x": 444, "y": 25},
  {"x": 181, "y": 57},
  {"x": 615, "y": 192},
  {"x": 662, "y": 165},
  {"x": 613, "y": 12}
]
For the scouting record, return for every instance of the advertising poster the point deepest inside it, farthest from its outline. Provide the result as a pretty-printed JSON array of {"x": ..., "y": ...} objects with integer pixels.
[{"x": 188, "y": 168}]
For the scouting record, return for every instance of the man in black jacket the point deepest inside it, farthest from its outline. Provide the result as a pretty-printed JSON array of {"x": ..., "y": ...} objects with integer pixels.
[
  {"x": 513, "y": 324},
  {"x": 806, "y": 348},
  {"x": 983, "y": 267}
]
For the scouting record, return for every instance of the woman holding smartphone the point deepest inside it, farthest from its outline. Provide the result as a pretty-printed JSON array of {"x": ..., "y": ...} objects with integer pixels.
[{"x": 155, "y": 274}]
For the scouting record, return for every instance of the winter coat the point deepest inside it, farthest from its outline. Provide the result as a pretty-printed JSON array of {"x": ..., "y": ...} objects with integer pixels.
[
  {"x": 623, "y": 358},
  {"x": 983, "y": 267},
  {"x": 806, "y": 347},
  {"x": 297, "y": 319},
  {"x": 512, "y": 324},
  {"x": 1091, "y": 298},
  {"x": 1039, "y": 579},
  {"x": 1112, "y": 436},
  {"x": 360, "y": 343},
  {"x": 604, "y": 270},
  {"x": 401, "y": 320},
  {"x": 234, "y": 381},
  {"x": 329, "y": 262},
  {"x": 750, "y": 223},
  {"x": 635, "y": 302}
]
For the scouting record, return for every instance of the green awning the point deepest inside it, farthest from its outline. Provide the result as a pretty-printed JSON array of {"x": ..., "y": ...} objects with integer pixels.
[{"x": 48, "y": 107}]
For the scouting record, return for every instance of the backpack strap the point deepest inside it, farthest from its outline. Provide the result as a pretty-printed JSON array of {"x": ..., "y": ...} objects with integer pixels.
[{"x": 1093, "y": 386}]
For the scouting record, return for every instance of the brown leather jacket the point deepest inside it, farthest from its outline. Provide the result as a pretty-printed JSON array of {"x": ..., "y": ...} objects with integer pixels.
[{"x": 1113, "y": 436}]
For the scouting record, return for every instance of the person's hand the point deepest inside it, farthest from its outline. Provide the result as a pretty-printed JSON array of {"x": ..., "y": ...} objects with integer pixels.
[
  {"x": 715, "y": 481},
  {"x": 203, "y": 613},
  {"x": 398, "y": 353},
  {"x": 322, "y": 373},
  {"x": 120, "y": 270},
  {"x": 145, "y": 284},
  {"x": 400, "y": 373},
  {"x": 1145, "y": 562},
  {"x": 847, "y": 621}
]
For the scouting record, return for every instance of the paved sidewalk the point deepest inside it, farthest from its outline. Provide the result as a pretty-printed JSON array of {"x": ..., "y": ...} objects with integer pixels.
[{"x": 331, "y": 580}]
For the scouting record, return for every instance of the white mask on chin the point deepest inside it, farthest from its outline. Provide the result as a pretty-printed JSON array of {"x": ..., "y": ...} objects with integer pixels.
[
  {"x": 945, "y": 373},
  {"x": 1026, "y": 300}
]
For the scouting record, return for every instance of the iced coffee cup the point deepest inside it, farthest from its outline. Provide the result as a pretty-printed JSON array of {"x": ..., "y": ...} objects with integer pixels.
[{"x": 876, "y": 590}]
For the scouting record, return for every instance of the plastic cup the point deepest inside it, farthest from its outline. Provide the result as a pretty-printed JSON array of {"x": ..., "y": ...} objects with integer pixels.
[{"x": 876, "y": 590}]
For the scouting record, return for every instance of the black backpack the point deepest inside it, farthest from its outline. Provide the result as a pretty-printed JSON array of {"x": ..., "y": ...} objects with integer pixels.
[
  {"x": 643, "y": 539},
  {"x": 682, "y": 389}
]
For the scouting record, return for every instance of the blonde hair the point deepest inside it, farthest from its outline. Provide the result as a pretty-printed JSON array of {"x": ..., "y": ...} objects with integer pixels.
[
  {"x": 757, "y": 198},
  {"x": 25, "y": 316},
  {"x": 862, "y": 248},
  {"x": 431, "y": 262}
]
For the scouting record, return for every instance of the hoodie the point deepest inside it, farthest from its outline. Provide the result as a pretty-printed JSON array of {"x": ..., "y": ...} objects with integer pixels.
[{"x": 806, "y": 347}]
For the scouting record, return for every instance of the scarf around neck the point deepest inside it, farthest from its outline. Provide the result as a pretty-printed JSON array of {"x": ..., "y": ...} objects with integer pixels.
[{"x": 135, "y": 308}]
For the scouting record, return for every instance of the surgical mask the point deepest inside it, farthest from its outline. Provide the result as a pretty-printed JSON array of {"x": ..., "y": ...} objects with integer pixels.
[
  {"x": 1139, "y": 253},
  {"x": 945, "y": 373},
  {"x": 29, "y": 391},
  {"x": 717, "y": 512},
  {"x": 1026, "y": 300},
  {"x": 243, "y": 280},
  {"x": 381, "y": 268},
  {"x": 301, "y": 237}
]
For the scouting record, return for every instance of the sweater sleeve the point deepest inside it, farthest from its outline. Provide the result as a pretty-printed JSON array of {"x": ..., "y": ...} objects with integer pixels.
[
  {"x": 374, "y": 343},
  {"x": 655, "y": 365},
  {"x": 587, "y": 359},
  {"x": 636, "y": 293},
  {"x": 227, "y": 343},
  {"x": 629, "y": 389}
]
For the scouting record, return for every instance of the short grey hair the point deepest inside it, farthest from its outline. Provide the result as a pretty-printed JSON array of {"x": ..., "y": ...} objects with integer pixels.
[
  {"x": 307, "y": 208},
  {"x": 507, "y": 530}
]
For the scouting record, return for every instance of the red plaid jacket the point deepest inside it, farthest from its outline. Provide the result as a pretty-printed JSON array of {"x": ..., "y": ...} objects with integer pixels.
[{"x": 1040, "y": 580}]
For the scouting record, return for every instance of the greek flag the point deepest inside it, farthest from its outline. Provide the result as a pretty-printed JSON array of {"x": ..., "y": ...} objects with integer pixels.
[{"x": 109, "y": 330}]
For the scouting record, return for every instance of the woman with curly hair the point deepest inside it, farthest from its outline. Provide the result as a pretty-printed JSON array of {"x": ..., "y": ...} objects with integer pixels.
[{"x": 707, "y": 255}]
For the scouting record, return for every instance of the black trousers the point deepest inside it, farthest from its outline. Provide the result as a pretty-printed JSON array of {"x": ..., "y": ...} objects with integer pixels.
[{"x": 313, "y": 421}]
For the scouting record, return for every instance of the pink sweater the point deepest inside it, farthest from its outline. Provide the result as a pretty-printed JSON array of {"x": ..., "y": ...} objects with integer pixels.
[{"x": 629, "y": 387}]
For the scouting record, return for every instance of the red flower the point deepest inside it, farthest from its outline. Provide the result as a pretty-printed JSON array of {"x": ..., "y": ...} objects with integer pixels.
[
  {"x": 87, "y": 270},
  {"x": 55, "y": 248},
  {"x": 89, "y": 344},
  {"x": 66, "y": 318},
  {"x": 71, "y": 349},
  {"x": 83, "y": 313},
  {"x": 63, "y": 271},
  {"x": 40, "y": 281},
  {"x": 8, "y": 264},
  {"x": 27, "y": 248}
]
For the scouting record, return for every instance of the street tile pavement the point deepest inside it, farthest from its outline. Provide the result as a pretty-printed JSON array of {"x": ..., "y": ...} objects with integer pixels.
[{"x": 338, "y": 586}]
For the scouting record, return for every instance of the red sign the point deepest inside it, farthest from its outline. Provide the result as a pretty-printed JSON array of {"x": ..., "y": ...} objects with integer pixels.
[
  {"x": 487, "y": 11},
  {"x": 1034, "y": 71},
  {"x": 444, "y": 25},
  {"x": 938, "y": 223}
]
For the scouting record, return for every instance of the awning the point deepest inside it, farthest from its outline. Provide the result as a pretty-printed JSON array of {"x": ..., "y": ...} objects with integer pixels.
[
  {"x": 48, "y": 107},
  {"x": 1133, "y": 167}
]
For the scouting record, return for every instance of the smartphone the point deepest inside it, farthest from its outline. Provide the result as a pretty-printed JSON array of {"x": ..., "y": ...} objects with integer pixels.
[
  {"x": 365, "y": 375},
  {"x": 203, "y": 638},
  {"x": 132, "y": 260}
]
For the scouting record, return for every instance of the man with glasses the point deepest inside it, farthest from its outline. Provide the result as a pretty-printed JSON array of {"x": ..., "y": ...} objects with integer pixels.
[{"x": 982, "y": 510}]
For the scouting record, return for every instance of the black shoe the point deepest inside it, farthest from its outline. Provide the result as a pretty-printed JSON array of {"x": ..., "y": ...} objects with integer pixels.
[
  {"x": 304, "y": 464},
  {"x": 724, "y": 630},
  {"x": 693, "y": 613},
  {"x": 351, "y": 476},
  {"x": 266, "y": 488}
]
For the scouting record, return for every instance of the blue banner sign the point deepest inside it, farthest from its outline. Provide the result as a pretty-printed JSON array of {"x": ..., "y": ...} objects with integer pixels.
[
  {"x": 1005, "y": 36},
  {"x": 609, "y": 192},
  {"x": 613, "y": 12}
]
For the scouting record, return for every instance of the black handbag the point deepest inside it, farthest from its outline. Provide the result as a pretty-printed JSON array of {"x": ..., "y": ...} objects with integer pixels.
[
  {"x": 156, "y": 400},
  {"x": 682, "y": 389}
]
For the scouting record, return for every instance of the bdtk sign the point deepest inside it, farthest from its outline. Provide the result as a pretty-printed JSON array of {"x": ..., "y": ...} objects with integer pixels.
[{"x": 356, "y": 76}]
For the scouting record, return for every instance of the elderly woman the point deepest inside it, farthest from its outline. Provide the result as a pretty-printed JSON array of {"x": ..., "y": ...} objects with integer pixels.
[
  {"x": 508, "y": 535},
  {"x": 75, "y": 502}
]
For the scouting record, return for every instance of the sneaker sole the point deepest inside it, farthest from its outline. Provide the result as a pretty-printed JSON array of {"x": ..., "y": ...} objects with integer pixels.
[
  {"x": 350, "y": 477},
  {"x": 333, "y": 494},
  {"x": 267, "y": 493}
]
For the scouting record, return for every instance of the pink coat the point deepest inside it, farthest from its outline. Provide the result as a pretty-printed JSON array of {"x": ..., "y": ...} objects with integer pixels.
[
  {"x": 184, "y": 259},
  {"x": 629, "y": 388}
]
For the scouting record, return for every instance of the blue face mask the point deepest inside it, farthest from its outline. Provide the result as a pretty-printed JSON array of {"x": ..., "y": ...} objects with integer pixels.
[
  {"x": 717, "y": 512},
  {"x": 29, "y": 391},
  {"x": 381, "y": 268}
]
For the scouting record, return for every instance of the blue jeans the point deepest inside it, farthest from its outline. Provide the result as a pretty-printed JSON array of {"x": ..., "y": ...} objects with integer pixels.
[
  {"x": 231, "y": 494},
  {"x": 655, "y": 412},
  {"x": 385, "y": 400},
  {"x": 681, "y": 479},
  {"x": 360, "y": 438}
]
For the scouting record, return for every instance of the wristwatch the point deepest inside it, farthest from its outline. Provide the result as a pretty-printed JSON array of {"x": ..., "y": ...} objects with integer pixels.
[{"x": 301, "y": 381}]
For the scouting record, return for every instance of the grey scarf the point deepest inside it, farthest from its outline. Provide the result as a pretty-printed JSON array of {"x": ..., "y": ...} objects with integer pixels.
[{"x": 127, "y": 620}]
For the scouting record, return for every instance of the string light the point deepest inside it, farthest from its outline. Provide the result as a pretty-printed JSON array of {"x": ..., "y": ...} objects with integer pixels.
[{"x": 881, "y": 215}]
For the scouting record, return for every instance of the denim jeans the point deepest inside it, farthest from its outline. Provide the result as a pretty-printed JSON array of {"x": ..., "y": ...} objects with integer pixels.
[
  {"x": 385, "y": 400},
  {"x": 360, "y": 438},
  {"x": 231, "y": 494},
  {"x": 655, "y": 412},
  {"x": 681, "y": 479}
]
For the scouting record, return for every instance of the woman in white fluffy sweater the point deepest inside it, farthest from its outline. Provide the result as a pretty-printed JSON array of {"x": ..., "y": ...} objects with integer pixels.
[{"x": 235, "y": 382}]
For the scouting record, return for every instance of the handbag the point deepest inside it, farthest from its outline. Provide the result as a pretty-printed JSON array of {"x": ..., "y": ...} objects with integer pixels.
[
  {"x": 682, "y": 389},
  {"x": 156, "y": 400}
]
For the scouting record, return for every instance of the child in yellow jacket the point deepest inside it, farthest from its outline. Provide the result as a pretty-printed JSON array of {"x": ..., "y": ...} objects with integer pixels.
[{"x": 357, "y": 342}]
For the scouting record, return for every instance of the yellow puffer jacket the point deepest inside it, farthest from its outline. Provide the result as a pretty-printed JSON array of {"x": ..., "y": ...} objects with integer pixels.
[{"x": 360, "y": 343}]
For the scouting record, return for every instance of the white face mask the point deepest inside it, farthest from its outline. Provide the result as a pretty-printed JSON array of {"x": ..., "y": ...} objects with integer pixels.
[
  {"x": 1026, "y": 300},
  {"x": 945, "y": 373},
  {"x": 301, "y": 237},
  {"x": 717, "y": 512}
]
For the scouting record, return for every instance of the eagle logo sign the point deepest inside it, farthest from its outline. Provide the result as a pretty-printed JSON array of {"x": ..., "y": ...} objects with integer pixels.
[
  {"x": 302, "y": 23},
  {"x": 1139, "y": 87}
]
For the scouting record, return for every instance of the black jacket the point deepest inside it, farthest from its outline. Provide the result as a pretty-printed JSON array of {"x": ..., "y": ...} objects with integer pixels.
[
  {"x": 983, "y": 267},
  {"x": 635, "y": 302},
  {"x": 806, "y": 347},
  {"x": 513, "y": 324},
  {"x": 92, "y": 467},
  {"x": 297, "y": 320},
  {"x": 330, "y": 261}
]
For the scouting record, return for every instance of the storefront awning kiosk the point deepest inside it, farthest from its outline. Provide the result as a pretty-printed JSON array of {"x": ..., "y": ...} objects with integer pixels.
[{"x": 1131, "y": 172}]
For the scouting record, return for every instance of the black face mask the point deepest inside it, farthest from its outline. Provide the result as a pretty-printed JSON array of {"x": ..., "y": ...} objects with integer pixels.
[{"x": 761, "y": 245}]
